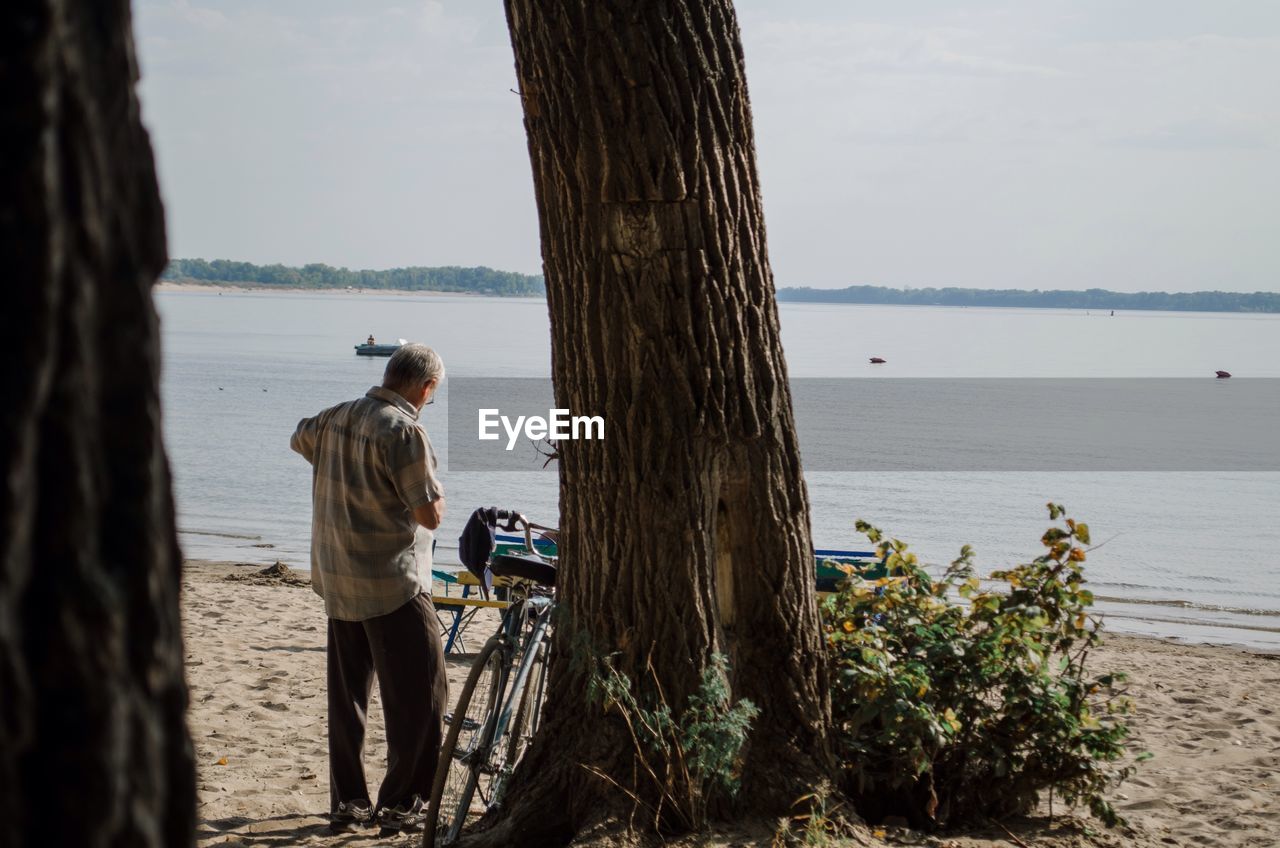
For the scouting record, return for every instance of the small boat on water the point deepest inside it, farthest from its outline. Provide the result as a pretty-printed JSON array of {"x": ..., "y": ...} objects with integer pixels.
[
  {"x": 1222, "y": 375},
  {"x": 875, "y": 360},
  {"x": 372, "y": 348}
]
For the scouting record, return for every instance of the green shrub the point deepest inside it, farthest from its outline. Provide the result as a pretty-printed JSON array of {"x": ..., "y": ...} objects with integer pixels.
[
  {"x": 955, "y": 704},
  {"x": 683, "y": 759}
]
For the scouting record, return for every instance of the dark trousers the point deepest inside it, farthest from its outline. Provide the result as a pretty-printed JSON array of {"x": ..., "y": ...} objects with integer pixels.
[{"x": 403, "y": 649}]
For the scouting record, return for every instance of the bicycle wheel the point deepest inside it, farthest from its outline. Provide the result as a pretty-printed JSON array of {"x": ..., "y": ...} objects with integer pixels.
[
  {"x": 525, "y": 666},
  {"x": 465, "y": 753}
]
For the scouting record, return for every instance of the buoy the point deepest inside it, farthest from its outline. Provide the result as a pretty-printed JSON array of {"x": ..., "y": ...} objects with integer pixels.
[
  {"x": 875, "y": 360},
  {"x": 1222, "y": 375}
]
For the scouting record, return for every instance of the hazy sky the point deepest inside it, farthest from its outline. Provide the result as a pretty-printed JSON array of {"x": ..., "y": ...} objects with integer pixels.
[{"x": 1124, "y": 144}]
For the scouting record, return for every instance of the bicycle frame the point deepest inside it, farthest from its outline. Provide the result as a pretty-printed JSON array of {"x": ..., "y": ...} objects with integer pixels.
[{"x": 522, "y": 673}]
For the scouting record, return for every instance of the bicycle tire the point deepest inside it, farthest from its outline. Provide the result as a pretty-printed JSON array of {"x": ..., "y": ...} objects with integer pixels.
[{"x": 458, "y": 773}]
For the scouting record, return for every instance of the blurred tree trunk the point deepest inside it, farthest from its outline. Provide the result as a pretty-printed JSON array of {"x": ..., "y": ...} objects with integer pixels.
[
  {"x": 686, "y": 531},
  {"x": 94, "y": 749}
]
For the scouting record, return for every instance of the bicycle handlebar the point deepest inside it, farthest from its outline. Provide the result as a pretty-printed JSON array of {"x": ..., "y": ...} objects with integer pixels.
[
  {"x": 510, "y": 516},
  {"x": 515, "y": 522}
]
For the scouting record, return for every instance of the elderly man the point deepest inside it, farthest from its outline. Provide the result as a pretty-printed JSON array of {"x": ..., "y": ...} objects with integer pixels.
[{"x": 375, "y": 501}]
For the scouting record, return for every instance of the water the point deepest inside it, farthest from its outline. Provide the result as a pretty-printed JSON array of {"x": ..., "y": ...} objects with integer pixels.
[{"x": 1191, "y": 555}]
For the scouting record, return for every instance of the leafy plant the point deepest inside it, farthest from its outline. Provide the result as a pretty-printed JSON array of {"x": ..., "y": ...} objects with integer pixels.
[
  {"x": 956, "y": 703},
  {"x": 686, "y": 758},
  {"x": 815, "y": 822}
]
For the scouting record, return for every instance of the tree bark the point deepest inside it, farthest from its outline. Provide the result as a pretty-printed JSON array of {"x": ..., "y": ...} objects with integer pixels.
[
  {"x": 94, "y": 749},
  {"x": 686, "y": 530}
]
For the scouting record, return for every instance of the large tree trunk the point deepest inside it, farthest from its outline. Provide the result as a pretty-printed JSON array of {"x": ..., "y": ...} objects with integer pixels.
[
  {"x": 686, "y": 530},
  {"x": 94, "y": 749}
]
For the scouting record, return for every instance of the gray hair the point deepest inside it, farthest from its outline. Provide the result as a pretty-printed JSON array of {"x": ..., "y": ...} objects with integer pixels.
[{"x": 412, "y": 365}]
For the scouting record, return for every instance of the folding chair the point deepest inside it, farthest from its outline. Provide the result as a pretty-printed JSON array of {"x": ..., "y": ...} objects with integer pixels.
[{"x": 455, "y": 612}]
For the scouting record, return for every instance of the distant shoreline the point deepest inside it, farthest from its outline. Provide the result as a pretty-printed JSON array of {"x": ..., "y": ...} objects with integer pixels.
[
  {"x": 175, "y": 286},
  {"x": 317, "y": 275},
  {"x": 186, "y": 286},
  {"x": 1097, "y": 300}
]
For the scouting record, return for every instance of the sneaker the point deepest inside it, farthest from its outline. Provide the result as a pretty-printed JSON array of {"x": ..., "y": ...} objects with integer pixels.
[
  {"x": 349, "y": 815},
  {"x": 403, "y": 818}
]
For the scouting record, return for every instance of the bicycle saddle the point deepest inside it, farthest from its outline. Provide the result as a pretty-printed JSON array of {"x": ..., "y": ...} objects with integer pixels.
[{"x": 526, "y": 568}]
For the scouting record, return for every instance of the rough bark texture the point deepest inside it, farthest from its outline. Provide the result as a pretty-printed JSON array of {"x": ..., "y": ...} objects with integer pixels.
[
  {"x": 94, "y": 749},
  {"x": 686, "y": 531}
]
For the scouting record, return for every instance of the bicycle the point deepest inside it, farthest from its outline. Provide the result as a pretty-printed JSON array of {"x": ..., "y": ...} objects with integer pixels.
[{"x": 500, "y": 705}]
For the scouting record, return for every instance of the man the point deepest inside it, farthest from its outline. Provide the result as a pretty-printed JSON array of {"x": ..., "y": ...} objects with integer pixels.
[{"x": 375, "y": 501}]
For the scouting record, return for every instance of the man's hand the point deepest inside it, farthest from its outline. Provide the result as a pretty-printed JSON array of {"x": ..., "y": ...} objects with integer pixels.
[{"x": 429, "y": 515}]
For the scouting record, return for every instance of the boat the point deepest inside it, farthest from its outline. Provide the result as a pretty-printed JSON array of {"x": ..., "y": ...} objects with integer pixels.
[
  {"x": 875, "y": 360},
  {"x": 1222, "y": 375},
  {"x": 376, "y": 349},
  {"x": 372, "y": 348}
]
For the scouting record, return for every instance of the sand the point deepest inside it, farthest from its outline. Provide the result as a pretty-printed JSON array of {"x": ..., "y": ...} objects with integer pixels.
[{"x": 255, "y": 664}]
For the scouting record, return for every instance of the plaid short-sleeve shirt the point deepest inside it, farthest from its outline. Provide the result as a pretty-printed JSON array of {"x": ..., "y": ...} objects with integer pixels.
[{"x": 372, "y": 465}]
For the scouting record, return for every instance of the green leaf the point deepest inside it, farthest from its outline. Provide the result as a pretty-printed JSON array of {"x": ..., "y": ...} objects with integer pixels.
[{"x": 1052, "y": 536}]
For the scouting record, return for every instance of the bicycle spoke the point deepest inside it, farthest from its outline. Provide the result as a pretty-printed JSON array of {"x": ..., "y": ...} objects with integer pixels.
[{"x": 467, "y": 746}]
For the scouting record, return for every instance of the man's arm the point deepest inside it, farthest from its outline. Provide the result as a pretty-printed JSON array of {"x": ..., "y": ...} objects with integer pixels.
[
  {"x": 303, "y": 440},
  {"x": 430, "y": 514},
  {"x": 412, "y": 466}
]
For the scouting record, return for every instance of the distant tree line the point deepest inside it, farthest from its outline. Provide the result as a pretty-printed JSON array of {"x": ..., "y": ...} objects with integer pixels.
[
  {"x": 482, "y": 280},
  {"x": 479, "y": 280},
  {"x": 1202, "y": 301}
]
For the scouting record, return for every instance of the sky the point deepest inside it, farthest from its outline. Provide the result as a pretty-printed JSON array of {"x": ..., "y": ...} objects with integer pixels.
[{"x": 1121, "y": 144}]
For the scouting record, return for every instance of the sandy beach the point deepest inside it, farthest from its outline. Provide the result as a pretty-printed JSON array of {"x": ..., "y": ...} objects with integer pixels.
[{"x": 255, "y": 664}]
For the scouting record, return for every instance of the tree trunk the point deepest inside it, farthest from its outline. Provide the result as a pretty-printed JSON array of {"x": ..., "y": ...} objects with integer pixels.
[
  {"x": 94, "y": 749},
  {"x": 686, "y": 530}
]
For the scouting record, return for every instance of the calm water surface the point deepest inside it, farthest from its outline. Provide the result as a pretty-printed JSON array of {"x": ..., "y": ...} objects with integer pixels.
[{"x": 1191, "y": 555}]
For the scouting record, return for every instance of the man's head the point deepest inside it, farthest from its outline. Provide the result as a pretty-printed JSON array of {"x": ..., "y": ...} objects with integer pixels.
[{"x": 413, "y": 372}]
